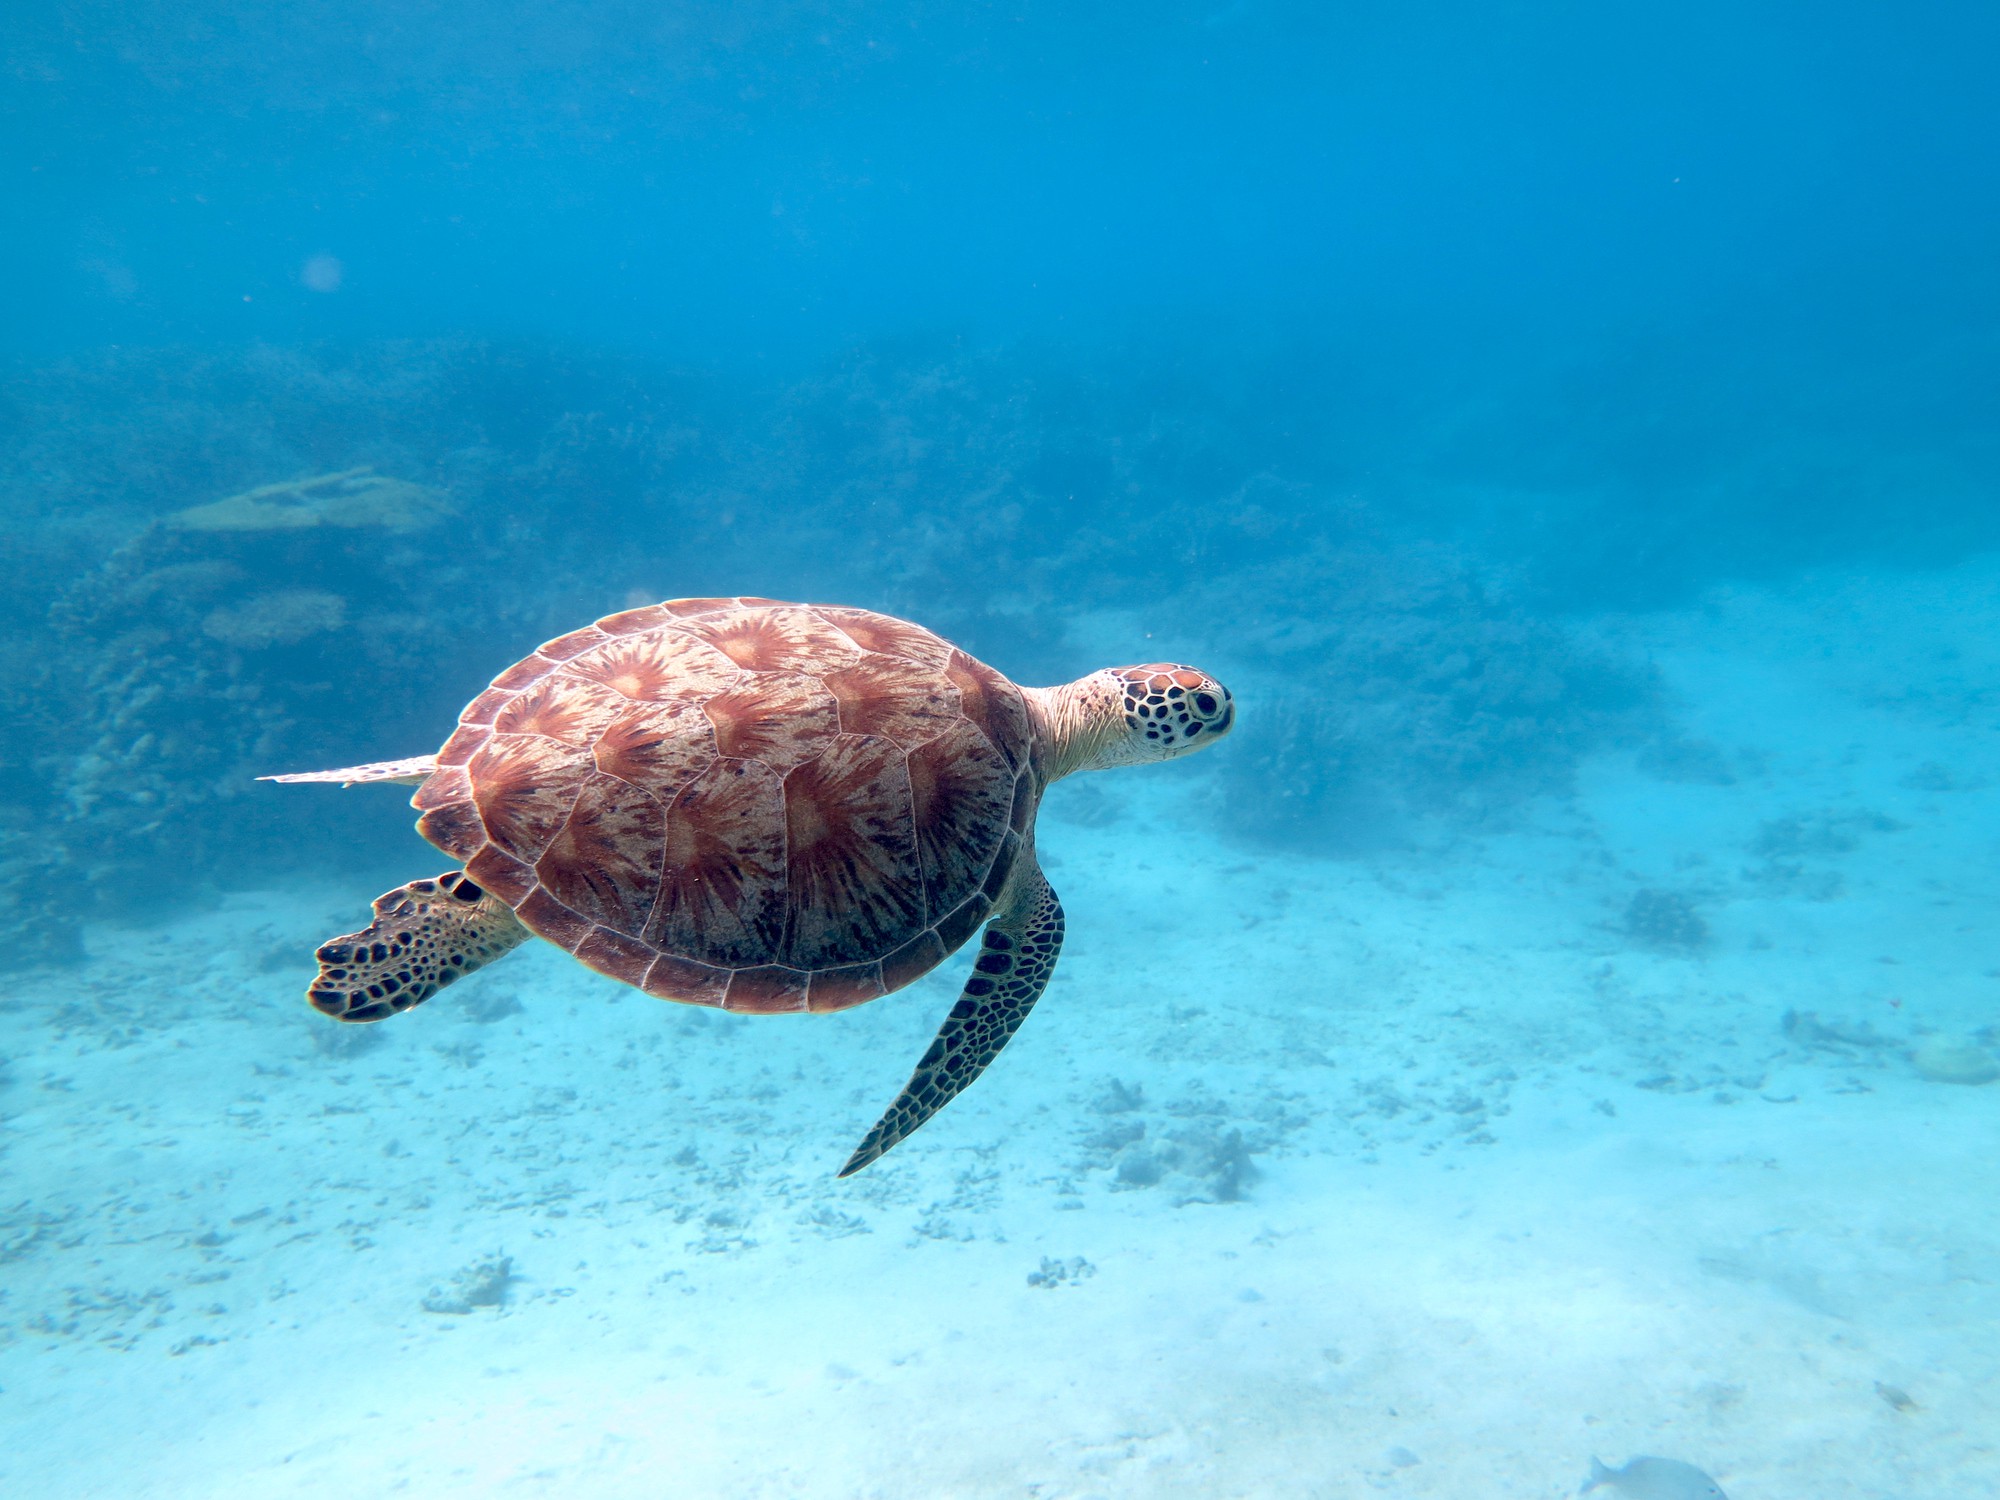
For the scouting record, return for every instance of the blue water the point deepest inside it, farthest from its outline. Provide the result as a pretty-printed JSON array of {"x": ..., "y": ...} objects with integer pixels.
[{"x": 1558, "y": 1023}]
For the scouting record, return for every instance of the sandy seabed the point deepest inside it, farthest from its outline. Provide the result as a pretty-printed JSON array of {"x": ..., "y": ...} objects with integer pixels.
[{"x": 1430, "y": 1174}]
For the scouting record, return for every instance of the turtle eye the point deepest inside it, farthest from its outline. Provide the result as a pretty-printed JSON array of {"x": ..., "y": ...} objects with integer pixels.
[{"x": 1209, "y": 705}]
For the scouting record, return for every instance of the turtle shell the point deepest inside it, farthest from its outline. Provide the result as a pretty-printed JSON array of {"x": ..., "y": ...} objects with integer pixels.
[{"x": 740, "y": 802}]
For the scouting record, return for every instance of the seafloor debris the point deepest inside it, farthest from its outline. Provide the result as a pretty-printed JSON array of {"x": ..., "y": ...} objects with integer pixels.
[
  {"x": 1056, "y": 1273},
  {"x": 483, "y": 1283},
  {"x": 1666, "y": 920},
  {"x": 1805, "y": 1028},
  {"x": 1202, "y": 1163},
  {"x": 352, "y": 498}
]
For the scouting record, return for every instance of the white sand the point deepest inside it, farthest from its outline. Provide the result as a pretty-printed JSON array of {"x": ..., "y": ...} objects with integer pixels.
[{"x": 1525, "y": 1192}]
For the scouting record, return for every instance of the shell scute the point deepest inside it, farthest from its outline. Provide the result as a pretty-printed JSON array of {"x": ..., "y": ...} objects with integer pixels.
[
  {"x": 553, "y": 920},
  {"x": 840, "y": 988},
  {"x": 766, "y": 990},
  {"x": 913, "y": 960},
  {"x": 666, "y": 665},
  {"x": 524, "y": 787},
  {"x": 1003, "y": 866},
  {"x": 633, "y": 621},
  {"x": 682, "y": 609},
  {"x": 455, "y": 828},
  {"x": 604, "y": 863},
  {"x": 659, "y": 746},
  {"x": 900, "y": 700},
  {"x": 563, "y": 709},
  {"x": 779, "y": 719},
  {"x": 563, "y": 647},
  {"x": 623, "y": 958},
  {"x": 672, "y": 977},
  {"x": 447, "y": 784},
  {"x": 781, "y": 639},
  {"x": 528, "y": 669},
  {"x": 722, "y": 879},
  {"x": 482, "y": 709},
  {"x": 994, "y": 705},
  {"x": 854, "y": 884},
  {"x": 886, "y": 636},
  {"x": 962, "y": 923},
  {"x": 962, "y": 791},
  {"x": 495, "y": 870},
  {"x": 467, "y": 738},
  {"x": 1023, "y": 811}
]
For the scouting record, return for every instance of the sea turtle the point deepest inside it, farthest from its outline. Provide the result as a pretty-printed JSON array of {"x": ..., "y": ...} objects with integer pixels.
[{"x": 759, "y": 806}]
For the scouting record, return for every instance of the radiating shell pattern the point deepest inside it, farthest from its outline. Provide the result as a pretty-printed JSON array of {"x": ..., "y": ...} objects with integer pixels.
[{"x": 742, "y": 803}]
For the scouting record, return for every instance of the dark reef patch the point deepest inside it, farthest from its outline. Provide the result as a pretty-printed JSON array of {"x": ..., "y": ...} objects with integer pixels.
[{"x": 221, "y": 565}]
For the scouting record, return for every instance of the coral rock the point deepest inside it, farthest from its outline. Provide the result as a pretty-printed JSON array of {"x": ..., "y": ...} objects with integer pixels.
[
  {"x": 1954, "y": 1059},
  {"x": 352, "y": 498}
]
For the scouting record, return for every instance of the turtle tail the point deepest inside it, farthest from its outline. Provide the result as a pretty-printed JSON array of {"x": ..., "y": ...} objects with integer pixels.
[{"x": 425, "y": 935}]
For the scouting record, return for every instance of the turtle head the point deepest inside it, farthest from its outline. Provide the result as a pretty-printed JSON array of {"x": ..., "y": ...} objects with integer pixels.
[
  {"x": 1168, "y": 709},
  {"x": 1126, "y": 716}
]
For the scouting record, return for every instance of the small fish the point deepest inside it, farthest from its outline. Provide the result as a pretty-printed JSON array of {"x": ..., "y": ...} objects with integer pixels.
[{"x": 1654, "y": 1479}]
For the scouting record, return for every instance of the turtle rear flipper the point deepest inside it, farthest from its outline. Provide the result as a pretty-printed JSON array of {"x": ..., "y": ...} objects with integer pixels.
[
  {"x": 411, "y": 770},
  {"x": 425, "y": 935}
]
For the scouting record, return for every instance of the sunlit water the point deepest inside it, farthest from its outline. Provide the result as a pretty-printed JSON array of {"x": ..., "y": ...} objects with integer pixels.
[{"x": 1558, "y": 1024}]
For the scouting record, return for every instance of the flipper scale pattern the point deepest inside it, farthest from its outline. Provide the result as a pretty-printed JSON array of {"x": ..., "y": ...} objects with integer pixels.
[{"x": 1015, "y": 960}]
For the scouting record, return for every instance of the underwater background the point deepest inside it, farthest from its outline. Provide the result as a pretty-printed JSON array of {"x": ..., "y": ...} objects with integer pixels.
[{"x": 1562, "y": 1021}]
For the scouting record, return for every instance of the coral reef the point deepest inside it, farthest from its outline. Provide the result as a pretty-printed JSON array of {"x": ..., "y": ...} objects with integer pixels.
[
  {"x": 281, "y": 618},
  {"x": 172, "y": 645},
  {"x": 1410, "y": 687},
  {"x": 165, "y": 648}
]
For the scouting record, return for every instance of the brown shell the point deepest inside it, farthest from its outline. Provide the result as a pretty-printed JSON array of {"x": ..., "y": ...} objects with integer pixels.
[{"x": 742, "y": 803}]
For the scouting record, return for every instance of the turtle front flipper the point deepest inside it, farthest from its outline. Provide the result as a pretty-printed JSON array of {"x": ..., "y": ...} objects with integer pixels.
[
  {"x": 425, "y": 935},
  {"x": 1015, "y": 960}
]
